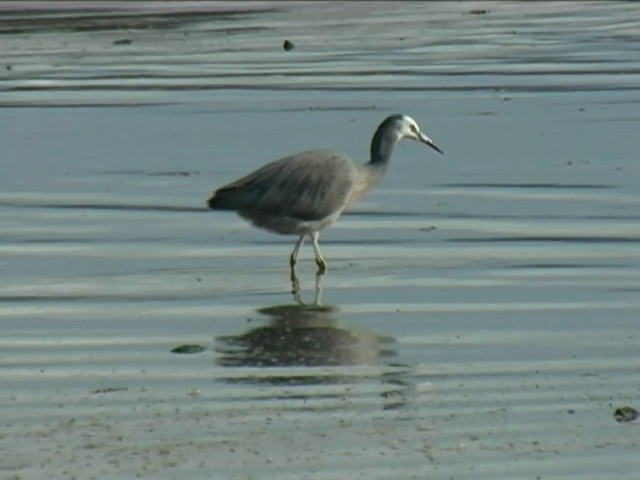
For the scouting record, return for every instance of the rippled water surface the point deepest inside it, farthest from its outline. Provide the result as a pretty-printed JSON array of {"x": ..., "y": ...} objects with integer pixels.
[{"x": 480, "y": 315}]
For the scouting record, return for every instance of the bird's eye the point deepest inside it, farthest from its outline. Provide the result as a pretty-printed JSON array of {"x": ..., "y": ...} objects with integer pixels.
[{"x": 413, "y": 128}]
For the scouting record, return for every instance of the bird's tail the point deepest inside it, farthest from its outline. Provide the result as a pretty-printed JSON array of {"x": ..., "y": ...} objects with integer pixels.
[{"x": 222, "y": 200}]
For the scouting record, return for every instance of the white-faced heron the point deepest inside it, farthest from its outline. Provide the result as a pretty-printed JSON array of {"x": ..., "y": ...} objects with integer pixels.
[{"x": 303, "y": 193}]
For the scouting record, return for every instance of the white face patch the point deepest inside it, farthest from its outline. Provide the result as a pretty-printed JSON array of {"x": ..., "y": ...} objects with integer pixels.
[{"x": 410, "y": 127}]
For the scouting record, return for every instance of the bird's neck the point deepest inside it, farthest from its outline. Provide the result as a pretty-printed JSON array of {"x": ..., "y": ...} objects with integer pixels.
[{"x": 381, "y": 148}]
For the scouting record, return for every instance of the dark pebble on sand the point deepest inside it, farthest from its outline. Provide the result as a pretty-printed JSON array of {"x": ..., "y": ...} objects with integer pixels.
[
  {"x": 188, "y": 349},
  {"x": 287, "y": 45},
  {"x": 625, "y": 414}
]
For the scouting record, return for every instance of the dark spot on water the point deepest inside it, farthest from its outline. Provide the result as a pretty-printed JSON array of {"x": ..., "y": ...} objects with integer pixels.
[
  {"x": 97, "y": 206},
  {"x": 135, "y": 21},
  {"x": 577, "y": 186},
  {"x": 172, "y": 174},
  {"x": 479, "y": 11},
  {"x": 581, "y": 109},
  {"x": 564, "y": 265},
  {"x": 571, "y": 411},
  {"x": 8, "y": 67},
  {"x": 169, "y": 173},
  {"x": 188, "y": 349},
  {"x": 81, "y": 104},
  {"x": 287, "y": 45},
  {"x": 109, "y": 390},
  {"x": 625, "y": 414},
  {"x": 123, "y": 41},
  {"x": 333, "y": 108},
  {"x": 428, "y": 229},
  {"x": 542, "y": 238}
]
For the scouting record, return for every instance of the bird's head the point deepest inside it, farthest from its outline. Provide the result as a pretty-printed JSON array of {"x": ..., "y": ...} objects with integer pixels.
[{"x": 408, "y": 128}]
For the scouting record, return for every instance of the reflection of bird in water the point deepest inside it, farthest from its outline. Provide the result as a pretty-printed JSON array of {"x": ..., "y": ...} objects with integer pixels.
[
  {"x": 298, "y": 337},
  {"x": 301, "y": 335},
  {"x": 306, "y": 192}
]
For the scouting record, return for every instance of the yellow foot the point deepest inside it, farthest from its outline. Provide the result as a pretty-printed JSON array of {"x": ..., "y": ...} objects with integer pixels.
[{"x": 322, "y": 265}]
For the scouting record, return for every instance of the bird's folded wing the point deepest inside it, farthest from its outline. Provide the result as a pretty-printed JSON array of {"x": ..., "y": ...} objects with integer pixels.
[{"x": 308, "y": 186}]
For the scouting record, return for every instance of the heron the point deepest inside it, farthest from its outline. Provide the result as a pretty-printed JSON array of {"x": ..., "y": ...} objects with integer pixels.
[{"x": 306, "y": 192}]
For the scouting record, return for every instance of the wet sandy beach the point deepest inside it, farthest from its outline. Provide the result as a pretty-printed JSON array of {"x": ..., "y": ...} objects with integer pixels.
[{"x": 479, "y": 318}]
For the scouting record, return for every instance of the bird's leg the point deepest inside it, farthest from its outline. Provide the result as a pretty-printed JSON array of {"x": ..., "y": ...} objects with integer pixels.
[
  {"x": 322, "y": 265},
  {"x": 295, "y": 287},
  {"x": 294, "y": 255},
  {"x": 292, "y": 262},
  {"x": 318, "y": 296}
]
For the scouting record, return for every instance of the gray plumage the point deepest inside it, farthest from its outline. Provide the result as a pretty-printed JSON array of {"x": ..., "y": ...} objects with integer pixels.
[
  {"x": 303, "y": 193},
  {"x": 305, "y": 187}
]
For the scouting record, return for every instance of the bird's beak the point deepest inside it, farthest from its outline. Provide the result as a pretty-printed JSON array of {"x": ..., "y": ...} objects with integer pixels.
[{"x": 427, "y": 141}]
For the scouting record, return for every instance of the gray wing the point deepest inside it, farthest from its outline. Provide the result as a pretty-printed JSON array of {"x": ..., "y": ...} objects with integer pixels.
[{"x": 307, "y": 186}]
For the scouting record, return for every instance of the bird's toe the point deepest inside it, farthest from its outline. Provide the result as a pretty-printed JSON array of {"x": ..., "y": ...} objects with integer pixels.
[{"x": 322, "y": 265}]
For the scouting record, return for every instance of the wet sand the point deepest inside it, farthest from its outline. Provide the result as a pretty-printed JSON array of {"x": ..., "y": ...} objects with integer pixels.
[{"x": 479, "y": 318}]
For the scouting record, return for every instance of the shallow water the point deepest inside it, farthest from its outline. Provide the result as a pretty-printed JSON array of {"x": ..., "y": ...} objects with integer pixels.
[{"x": 480, "y": 314}]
